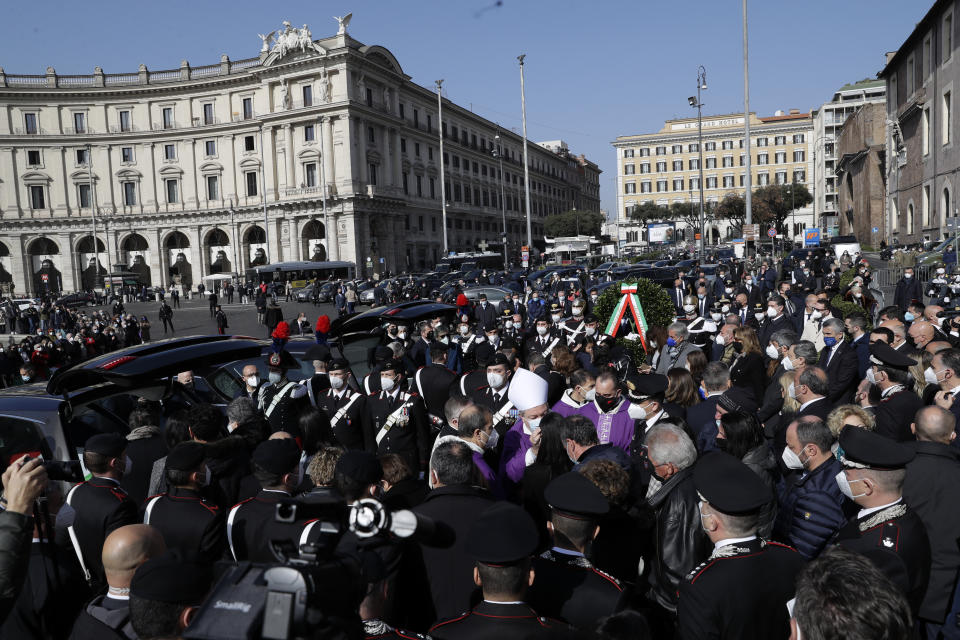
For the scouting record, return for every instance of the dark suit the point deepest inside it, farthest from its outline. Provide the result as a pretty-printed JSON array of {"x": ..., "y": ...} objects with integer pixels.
[
  {"x": 771, "y": 326},
  {"x": 495, "y": 620},
  {"x": 754, "y": 295},
  {"x": 486, "y": 317},
  {"x": 701, "y": 416},
  {"x": 187, "y": 522},
  {"x": 98, "y": 507},
  {"x": 841, "y": 372},
  {"x": 907, "y": 291},
  {"x": 772, "y": 401},
  {"x": 347, "y": 428},
  {"x": 433, "y": 384},
  {"x": 703, "y": 306},
  {"x": 408, "y": 437},
  {"x": 677, "y": 296},
  {"x": 571, "y": 589},
  {"x": 862, "y": 347},
  {"x": 419, "y": 353},
  {"x": 819, "y": 408},
  {"x": 251, "y": 525},
  {"x": 894, "y": 413}
]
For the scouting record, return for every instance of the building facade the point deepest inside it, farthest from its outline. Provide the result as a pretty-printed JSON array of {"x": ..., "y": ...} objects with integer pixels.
[
  {"x": 315, "y": 149},
  {"x": 922, "y": 146},
  {"x": 828, "y": 122},
  {"x": 861, "y": 174},
  {"x": 663, "y": 168}
]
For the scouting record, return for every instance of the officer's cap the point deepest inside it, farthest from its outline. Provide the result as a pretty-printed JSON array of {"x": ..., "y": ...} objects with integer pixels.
[
  {"x": 186, "y": 456},
  {"x": 392, "y": 365},
  {"x": 382, "y": 353},
  {"x": 483, "y": 354},
  {"x": 507, "y": 313},
  {"x": 282, "y": 360},
  {"x": 361, "y": 466},
  {"x": 499, "y": 359},
  {"x": 172, "y": 578},
  {"x": 729, "y": 485},
  {"x": 555, "y": 308},
  {"x": 508, "y": 342},
  {"x": 886, "y": 356},
  {"x": 862, "y": 449},
  {"x": 317, "y": 352},
  {"x": 106, "y": 444},
  {"x": 737, "y": 399},
  {"x": 589, "y": 318},
  {"x": 642, "y": 386},
  {"x": 503, "y": 534},
  {"x": 278, "y": 456},
  {"x": 759, "y": 307},
  {"x": 573, "y": 495},
  {"x": 338, "y": 364}
]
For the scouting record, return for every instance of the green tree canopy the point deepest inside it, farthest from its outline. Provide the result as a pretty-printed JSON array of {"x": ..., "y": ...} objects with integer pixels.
[
  {"x": 773, "y": 203},
  {"x": 733, "y": 208},
  {"x": 572, "y": 223}
]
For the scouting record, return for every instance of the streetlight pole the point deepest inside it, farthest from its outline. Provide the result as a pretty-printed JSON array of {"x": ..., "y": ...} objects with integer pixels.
[
  {"x": 746, "y": 117},
  {"x": 526, "y": 162},
  {"x": 698, "y": 103},
  {"x": 443, "y": 180},
  {"x": 263, "y": 197},
  {"x": 503, "y": 202},
  {"x": 93, "y": 211}
]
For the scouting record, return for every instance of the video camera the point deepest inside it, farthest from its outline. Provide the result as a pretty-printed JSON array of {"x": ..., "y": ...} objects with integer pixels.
[{"x": 314, "y": 589}]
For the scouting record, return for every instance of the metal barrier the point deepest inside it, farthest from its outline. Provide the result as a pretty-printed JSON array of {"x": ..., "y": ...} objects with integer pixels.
[{"x": 884, "y": 277}]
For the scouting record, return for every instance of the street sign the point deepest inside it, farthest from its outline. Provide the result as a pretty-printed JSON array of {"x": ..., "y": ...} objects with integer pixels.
[
  {"x": 751, "y": 231},
  {"x": 876, "y": 229},
  {"x": 772, "y": 232},
  {"x": 811, "y": 237},
  {"x": 525, "y": 256},
  {"x": 697, "y": 236}
]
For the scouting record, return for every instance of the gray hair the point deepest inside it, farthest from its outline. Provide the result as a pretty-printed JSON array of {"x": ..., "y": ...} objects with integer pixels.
[
  {"x": 785, "y": 337},
  {"x": 680, "y": 329},
  {"x": 806, "y": 350},
  {"x": 834, "y": 323},
  {"x": 716, "y": 375},
  {"x": 669, "y": 443},
  {"x": 454, "y": 406},
  {"x": 242, "y": 410}
]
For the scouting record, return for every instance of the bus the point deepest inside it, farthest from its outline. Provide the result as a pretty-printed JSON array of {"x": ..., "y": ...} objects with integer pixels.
[
  {"x": 470, "y": 261},
  {"x": 301, "y": 272}
]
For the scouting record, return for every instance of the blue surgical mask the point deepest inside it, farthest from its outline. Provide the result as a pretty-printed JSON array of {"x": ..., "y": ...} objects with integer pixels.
[
  {"x": 908, "y": 316},
  {"x": 671, "y": 342},
  {"x": 829, "y": 341}
]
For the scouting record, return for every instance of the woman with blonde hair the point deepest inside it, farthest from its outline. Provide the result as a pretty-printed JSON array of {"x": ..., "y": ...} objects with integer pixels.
[
  {"x": 747, "y": 369},
  {"x": 849, "y": 415}
]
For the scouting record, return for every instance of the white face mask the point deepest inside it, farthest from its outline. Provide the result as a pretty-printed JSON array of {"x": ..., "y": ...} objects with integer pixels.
[
  {"x": 590, "y": 395},
  {"x": 508, "y": 324},
  {"x": 929, "y": 376},
  {"x": 725, "y": 308},
  {"x": 688, "y": 308},
  {"x": 275, "y": 377},
  {"x": 402, "y": 335},
  {"x": 253, "y": 381},
  {"x": 386, "y": 383},
  {"x": 533, "y": 424},
  {"x": 871, "y": 376},
  {"x": 716, "y": 317},
  {"x": 845, "y": 488},
  {"x": 542, "y": 331},
  {"x": 653, "y": 344},
  {"x": 771, "y": 312},
  {"x": 492, "y": 439},
  {"x": 772, "y": 352},
  {"x": 593, "y": 298},
  {"x": 815, "y": 315},
  {"x": 556, "y": 317},
  {"x": 759, "y": 316},
  {"x": 336, "y": 382},
  {"x": 578, "y": 311},
  {"x": 791, "y": 459},
  {"x": 637, "y": 412},
  {"x": 728, "y": 290},
  {"x": 721, "y": 340},
  {"x": 464, "y": 330},
  {"x": 788, "y": 364},
  {"x": 495, "y": 380},
  {"x": 792, "y": 391},
  {"x": 590, "y": 331}
]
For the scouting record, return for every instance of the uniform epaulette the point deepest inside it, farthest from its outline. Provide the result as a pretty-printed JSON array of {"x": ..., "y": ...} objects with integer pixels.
[
  {"x": 780, "y": 544},
  {"x": 457, "y": 619},
  {"x": 410, "y": 635},
  {"x": 608, "y": 577},
  {"x": 700, "y": 568},
  {"x": 209, "y": 506},
  {"x": 118, "y": 493},
  {"x": 242, "y": 502}
]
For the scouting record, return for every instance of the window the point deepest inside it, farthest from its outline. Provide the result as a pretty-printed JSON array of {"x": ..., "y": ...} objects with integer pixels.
[
  {"x": 743, "y": 159},
  {"x": 369, "y": 97},
  {"x": 646, "y": 186},
  {"x": 310, "y": 174},
  {"x": 308, "y": 133},
  {"x": 167, "y": 117},
  {"x": 82, "y": 157},
  {"x": 129, "y": 194},
  {"x": 416, "y": 118},
  {"x": 780, "y": 157},
  {"x": 661, "y": 185},
  {"x": 799, "y": 155},
  {"x": 780, "y": 140},
  {"x": 83, "y": 195},
  {"x": 33, "y": 158},
  {"x": 429, "y": 122},
  {"x": 433, "y": 224},
  {"x": 925, "y": 206},
  {"x": 373, "y": 174},
  {"x": 677, "y": 148},
  {"x": 169, "y": 152},
  {"x": 628, "y": 153},
  {"x": 433, "y": 188},
  {"x": 799, "y": 138},
  {"x": 419, "y": 186},
  {"x": 371, "y": 135},
  {"x": 678, "y": 165},
  {"x": 208, "y": 113},
  {"x": 662, "y": 166},
  {"x": 693, "y": 164},
  {"x": 711, "y": 163},
  {"x": 247, "y": 108},
  {"x": 251, "y": 178},
  {"x": 799, "y": 176},
  {"x": 307, "y": 96},
  {"x": 37, "y": 200},
  {"x": 695, "y": 184},
  {"x": 644, "y": 152},
  {"x": 909, "y": 75},
  {"x": 416, "y": 149},
  {"x": 710, "y": 146},
  {"x": 947, "y": 36},
  {"x": 210, "y": 148},
  {"x": 249, "y": 143},
  {"x": 693, "y": 148},
  {"x": 761, "y": 142},
  {"x": 945, "y": 203},
  {"x": 727, "y": 161},
  {"x": 79, "y": 122},
  {"x": 402, "y": 114},
  {"x": 728, "y": 182},
  {"x": 645, "y": 167},
  {"x": 456, "y": 162},
  {"x": 172, "y": 189},
  {"x": 946, "y": 131},
  {"x": 925, "y": 132},
  {"x": 403, "y": 145},
  {"x": 678, "y": 184},
  {"x": 629, "y": 187},
  {"x": 781, "y": 177},
  {"x": 726, "y": 145},
  {"x": 629, "y": 169},
  {"x": 712, "y": 182},
  {"x": 30, "y": 123},
  {"x": 661, "y": 151},
  {"x": 910, "y": 218},
  {"x": 126, "y": 154},
  {"x": 213, "y": 188},
  {"x": 763, "y": 179},
  {"x": 763, "y": 158}
]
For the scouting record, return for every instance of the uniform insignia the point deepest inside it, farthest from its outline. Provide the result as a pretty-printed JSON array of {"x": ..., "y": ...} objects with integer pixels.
[
  {"x": 890, "y": 513},
  {"x": 728, "y": 551},
  {"x": 806, "y": 515},
  {"x": 887, "y": 542}
]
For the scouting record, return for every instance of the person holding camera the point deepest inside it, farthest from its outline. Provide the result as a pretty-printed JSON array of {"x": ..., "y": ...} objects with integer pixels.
[
  {"x": 98, "y": 506},
  {"x": 23, "y": 481}
]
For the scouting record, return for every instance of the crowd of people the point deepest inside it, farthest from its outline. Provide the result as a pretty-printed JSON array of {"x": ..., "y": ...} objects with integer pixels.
[{"x": 773, "y": 468}]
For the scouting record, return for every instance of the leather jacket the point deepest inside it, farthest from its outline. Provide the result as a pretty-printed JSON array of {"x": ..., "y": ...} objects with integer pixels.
[{"x": 679, "y": 539}]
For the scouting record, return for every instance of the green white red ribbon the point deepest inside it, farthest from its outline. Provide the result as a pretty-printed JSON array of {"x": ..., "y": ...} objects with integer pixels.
[{"x": 629, "y": 300}]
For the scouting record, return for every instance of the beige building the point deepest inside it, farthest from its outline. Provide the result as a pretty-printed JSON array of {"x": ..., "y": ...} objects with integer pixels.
[
  {"x": 663, "y": 167},
  {"x": 315, "y": 149}
]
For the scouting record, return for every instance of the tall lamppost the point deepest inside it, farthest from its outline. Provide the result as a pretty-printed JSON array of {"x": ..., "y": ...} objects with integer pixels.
[
  {"x": 498, "y": 153},
  {"x": 526, "y": 161},
  {"x": 443, "y": 180},
  {"x": 696, "y": 102}
]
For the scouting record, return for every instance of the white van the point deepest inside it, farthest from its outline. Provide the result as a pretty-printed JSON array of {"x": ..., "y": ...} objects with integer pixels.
[{"x": 839, "y": 244}]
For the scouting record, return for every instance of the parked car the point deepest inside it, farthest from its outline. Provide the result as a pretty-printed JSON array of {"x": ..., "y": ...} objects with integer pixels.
[{"x": 74, "y": 300}]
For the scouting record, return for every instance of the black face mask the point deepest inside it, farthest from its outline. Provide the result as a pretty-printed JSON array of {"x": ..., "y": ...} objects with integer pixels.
[
  {"x": 738, "y": 347},
  {"x": 606, "y": 404}
]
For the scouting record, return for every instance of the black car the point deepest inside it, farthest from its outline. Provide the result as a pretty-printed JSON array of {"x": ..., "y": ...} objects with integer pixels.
[{"x": 74, "y": 300}]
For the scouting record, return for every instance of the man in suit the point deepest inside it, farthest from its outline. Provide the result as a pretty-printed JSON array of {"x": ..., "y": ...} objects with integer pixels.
[
  {"x": 485, "y": 313},
  {"x": 778, "y": 349},
  {"x": 716, "y": 380},
  {"x": 908, "y": 289},
  {"x": 856, "y": 325},
  {"x": 678, "y": 293},
  {"x": 419, "y": 352},
  {"x": 946, "y": 368},
  {"x": 750, "y": 288},
  {"x": 792, "y": 304},
  {"x": 810, "y": 390},
  {"x": 776, "y": 320},
  {"x": 704, "y": 302},
  {"x": 433, "y": 382},
  {"x": 889, "y": 372},
  {"x": 899, "y": 342},
  {"x": 839, "y": 360},
  {"x": 808, "y": 320}
]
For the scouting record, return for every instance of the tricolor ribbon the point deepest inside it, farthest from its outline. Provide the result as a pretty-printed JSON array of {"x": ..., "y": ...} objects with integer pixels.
[{"x": 629, "y": 300}]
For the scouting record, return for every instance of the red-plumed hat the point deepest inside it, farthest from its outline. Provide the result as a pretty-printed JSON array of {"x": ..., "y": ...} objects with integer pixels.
[
  {"x": 323, "y": 324},
  {"x": 282, "y": 332}
]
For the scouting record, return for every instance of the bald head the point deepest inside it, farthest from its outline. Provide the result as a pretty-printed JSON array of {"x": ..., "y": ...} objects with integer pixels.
[
  {"x": 937, "y": 346},
  {"x": 934, "y": 424},
  {"x": 930, "y": 312},
  {"x": 922, "y": 333},
  {"x": 126, "y": 549},
  {"x": 280, "y": 435}
]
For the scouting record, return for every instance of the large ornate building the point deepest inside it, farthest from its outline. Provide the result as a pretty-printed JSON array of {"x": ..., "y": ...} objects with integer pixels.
[{"x": 315, "y": 149}]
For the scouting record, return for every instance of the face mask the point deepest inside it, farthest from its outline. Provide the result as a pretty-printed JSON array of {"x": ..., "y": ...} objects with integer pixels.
[
  {"x": 829, "y": 341},
  {"x": 402, "y": 335},
  {"x": 671, "y": 342},
  {"x": 771, "y": 312},
  {"x": 593, "y": 298},
  {"x": 939, "y": 271},
  {"x": 815, "y": 315},
  {"x": 590, "y": 395},
  {"x": 792, "y": 391},
  {"x": 393, "y": 332},
  {"x": 908, "y": 316},
  {"x": 464, "y": 330},
  {"x": 637, "y": 412},
  {"x": 759, "y": 316},
  {"x": 721, "y": 340},
  {"x": 772, "y": 352},
  {"x": 253, "y": 381},
  {"x": 508, "y": 324},
  {"x": 542, "y": 331},
  {"x": 845, "y": 488},
  {"x": 578, "y": 311},
  {"x": 871, "y": 376},
  {"x": 606, "y": 404},
  {"x": 716, "y": 317},
  {"x": 805, "y": 272},
  {"x": 738, "y": 347},
  {"x": 492, "y": 440},
  {"x": 386, "y": 383},
  {"x": 590, "y": 331},
  {"x": 908, "y": 275},
  {"x": 728, "y": 290},
  {"x": 336, "y": 383},
  {"x": 702, "y": 516},
  {"x": 725, "y": 308},
  {"x": 534, "y": 424},
  {"x": 495, "y": 380},
  {"x": 26, "y": 378},
  {"x": 275, "y": 377},
  {"x": 929, "y": 376},
  {"x": 688, "y": 308},
  {"x": 556, "y": 317},
  {"x": 791, "y": 459}
]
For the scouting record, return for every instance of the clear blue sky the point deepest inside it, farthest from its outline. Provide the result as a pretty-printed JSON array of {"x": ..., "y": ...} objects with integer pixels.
[{"x": 595, "y": 70}]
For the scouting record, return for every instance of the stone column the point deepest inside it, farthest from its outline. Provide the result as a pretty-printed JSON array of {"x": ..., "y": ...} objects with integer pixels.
[
  {"x": 157, "y": 261},
  {"x": 199, "y": 263},
  {"x": 330, "y": 165},
  {"x": 288, "y": 156},
  {"x": 67, "y": 257},
  {"x": 386, "y": 176},
  {"x": 20, "y": 265},
  {"x": 296, "y": 249}
]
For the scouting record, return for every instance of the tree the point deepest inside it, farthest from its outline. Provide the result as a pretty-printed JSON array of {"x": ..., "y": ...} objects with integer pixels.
[
  {"x": 773, "y": 203},
  {"x": 687, "y": 213},
  {"x": 646, "y": 211},
  {"x": 732, "y": 208},
  {"x": 572, "y": 223}
]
